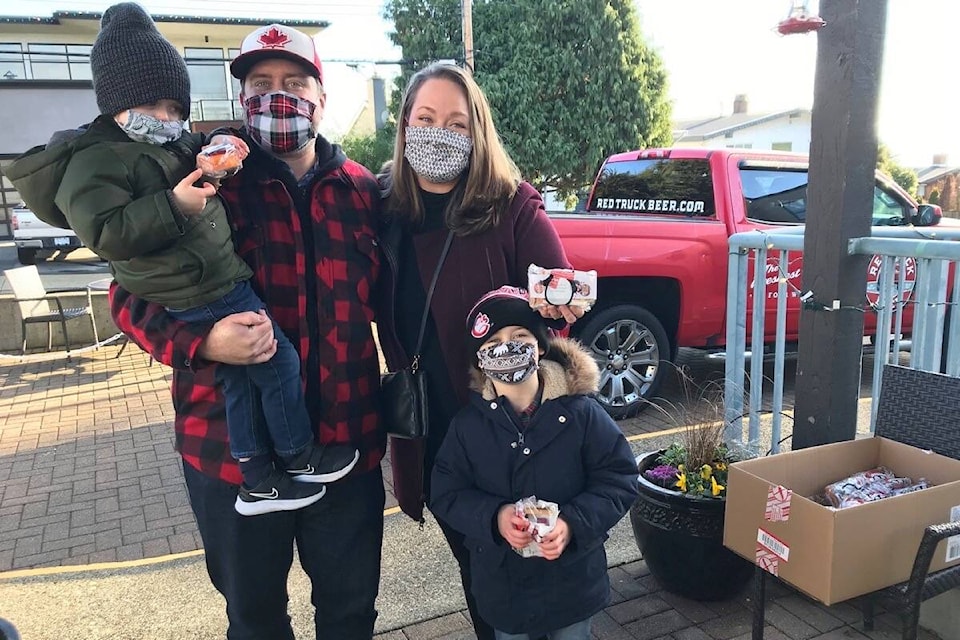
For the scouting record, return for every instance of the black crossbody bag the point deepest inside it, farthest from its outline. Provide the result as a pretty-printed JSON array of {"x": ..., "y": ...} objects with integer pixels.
[{"x": 403, "y": 393}]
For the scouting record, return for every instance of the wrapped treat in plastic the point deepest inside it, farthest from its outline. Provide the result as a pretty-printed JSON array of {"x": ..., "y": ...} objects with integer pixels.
[
  {"x": 541, "y": 517},
  {"x": 561, "y": 286},
  {"x": 869, "y": 486},
  {"x": 219, "y": 160}
]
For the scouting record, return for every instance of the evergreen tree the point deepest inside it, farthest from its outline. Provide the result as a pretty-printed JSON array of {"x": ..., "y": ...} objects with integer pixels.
[{"x": 569, "y": 81}]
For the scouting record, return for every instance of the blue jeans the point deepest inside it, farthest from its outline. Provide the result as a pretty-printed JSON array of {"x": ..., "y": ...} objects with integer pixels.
[
  {"x": 265, "y": 406},
  {"x": 576, "y": 631},
  {"x": 248, "y": 559}
]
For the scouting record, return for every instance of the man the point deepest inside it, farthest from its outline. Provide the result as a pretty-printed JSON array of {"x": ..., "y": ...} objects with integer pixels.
[{"x": 303, "y": 218}]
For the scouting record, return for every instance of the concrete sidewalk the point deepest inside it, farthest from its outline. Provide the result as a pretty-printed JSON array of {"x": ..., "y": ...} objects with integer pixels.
[{"x": 97, "y": 539}]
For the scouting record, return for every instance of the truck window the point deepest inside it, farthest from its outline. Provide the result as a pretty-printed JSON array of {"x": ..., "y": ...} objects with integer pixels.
[
  {"x": 775, "y": 196},
  {"x": 660, "y": 186},
  {"x": 779, "y": 196}
]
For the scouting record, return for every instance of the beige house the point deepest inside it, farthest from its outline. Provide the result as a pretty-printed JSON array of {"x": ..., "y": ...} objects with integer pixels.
[{"x": 45, "y": 81}]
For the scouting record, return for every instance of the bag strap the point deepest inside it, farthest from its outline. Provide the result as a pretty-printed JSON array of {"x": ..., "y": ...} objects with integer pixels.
[{"x": 426, "y": 307}]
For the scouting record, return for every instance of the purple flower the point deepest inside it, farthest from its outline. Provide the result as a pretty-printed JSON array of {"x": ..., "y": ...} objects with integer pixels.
[{"x": 664, "y": 474}]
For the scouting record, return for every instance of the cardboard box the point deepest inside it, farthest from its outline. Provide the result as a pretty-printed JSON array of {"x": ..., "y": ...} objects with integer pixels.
[{"x": 837, "y": 554}]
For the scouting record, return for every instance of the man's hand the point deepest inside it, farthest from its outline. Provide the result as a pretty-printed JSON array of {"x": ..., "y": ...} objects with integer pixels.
[
  {"x": 512, "y": 527},
  {"x": 553, "y": 544},
  {"x": 240, "y": 339},
  {"x": 191, "y": 200}
]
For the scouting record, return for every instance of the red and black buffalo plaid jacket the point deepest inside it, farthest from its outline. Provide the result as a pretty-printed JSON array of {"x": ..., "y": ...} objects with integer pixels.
[{"x": 314, "y": 266}]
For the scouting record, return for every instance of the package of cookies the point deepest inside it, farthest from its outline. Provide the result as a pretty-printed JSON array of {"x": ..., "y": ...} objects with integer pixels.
[
  {"x": 541, "y": 517},
  {"x": 219, "y": 160},
  {"x": 561, "y": 286}
]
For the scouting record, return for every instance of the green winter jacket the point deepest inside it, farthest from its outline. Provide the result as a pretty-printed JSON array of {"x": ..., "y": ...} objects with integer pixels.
[{"x": 116, "y": 194}]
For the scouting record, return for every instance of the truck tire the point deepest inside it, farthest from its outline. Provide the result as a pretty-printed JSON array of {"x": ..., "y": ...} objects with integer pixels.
[
  {"x": 27, "y": 256},
  {"x": 631, "y": 349}
]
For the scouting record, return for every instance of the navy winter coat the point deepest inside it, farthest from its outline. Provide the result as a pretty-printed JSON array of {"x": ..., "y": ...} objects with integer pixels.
[{"x": 571, "y": 453}]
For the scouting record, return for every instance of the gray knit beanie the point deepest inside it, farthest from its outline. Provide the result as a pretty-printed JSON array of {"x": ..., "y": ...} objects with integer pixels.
[{"x": 133, "y": 64}]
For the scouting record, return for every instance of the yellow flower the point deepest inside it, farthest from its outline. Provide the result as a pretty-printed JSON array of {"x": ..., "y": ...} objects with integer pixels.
[
  {"x": 682, "y": 481},
  {"x": 721, "y": 466},
  {"x": 680, "y": 467},
  {"x": 706, "y": 472},
  {"x": 716, "y": 487}
]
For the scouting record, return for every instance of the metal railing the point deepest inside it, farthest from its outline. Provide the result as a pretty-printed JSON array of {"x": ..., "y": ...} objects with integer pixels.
[{"x": 913, "y": 271}]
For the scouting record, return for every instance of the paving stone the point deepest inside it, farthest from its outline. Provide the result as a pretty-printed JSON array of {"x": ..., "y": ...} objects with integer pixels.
[
  {"x": 814, "y": 614},
  {"x": 657, "y": 625},
  {"x": 604, "y": 627},
  {"x": 694, "y": 611},
  {"x": 437, "y": 627},
  {"x": 692, "y": 633},
  {"x": 846, "y": 633},
  {"x": 769, "y": 633},
  {"x": 729, "y": 626},
  {"x": 637, "y": 608},
  {"x": 625, "y": 584},
  {"x": 789, "y": 623}
]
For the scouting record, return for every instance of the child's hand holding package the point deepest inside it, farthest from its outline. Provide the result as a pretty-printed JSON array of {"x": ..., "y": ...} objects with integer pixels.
[
  {"x": 513, "y": 527},
  {"x": 541, "y": 518}
]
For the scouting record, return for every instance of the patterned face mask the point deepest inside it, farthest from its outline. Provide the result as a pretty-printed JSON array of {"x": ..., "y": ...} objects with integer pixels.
[
  {"x": 509, "y": 362},
  {"x": 280, "y": 122},
  {"x": 141, "y": 127},
  {"x": 436, "y": 154}
]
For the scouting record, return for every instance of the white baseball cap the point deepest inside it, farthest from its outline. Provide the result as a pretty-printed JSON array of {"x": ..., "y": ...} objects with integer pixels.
[{"x": 277, "y": 41}]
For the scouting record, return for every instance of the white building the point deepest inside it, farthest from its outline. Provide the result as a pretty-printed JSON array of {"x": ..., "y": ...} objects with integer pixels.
[{"x": 781, "y": 131}]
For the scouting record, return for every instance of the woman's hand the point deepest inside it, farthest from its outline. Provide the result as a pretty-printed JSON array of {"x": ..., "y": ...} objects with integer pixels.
[
  {"x": 567, "y": 312},
  {"x": 240, "y": 339},
  {"x": 512, "y": 527},
  {"x": 553, "y": 543}
]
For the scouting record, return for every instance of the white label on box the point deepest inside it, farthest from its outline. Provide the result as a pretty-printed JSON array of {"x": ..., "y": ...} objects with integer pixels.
[
  {"x": 769, "y": 541},
  {"x": 778, "y": 504},
  {"x": 953, "y": 542}
]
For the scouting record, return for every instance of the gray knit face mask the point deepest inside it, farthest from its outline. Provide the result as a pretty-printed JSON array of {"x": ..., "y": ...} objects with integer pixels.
[
  {"x": 436, "y": 154},
  {"x": 143, "y": 128}
]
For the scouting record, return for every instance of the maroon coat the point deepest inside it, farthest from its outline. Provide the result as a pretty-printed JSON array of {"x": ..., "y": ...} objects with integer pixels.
[{"x": 475, "y": 265}]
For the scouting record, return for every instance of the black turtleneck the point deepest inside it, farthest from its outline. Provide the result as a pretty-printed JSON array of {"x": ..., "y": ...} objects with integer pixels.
[{"x": 411, "y": 299}]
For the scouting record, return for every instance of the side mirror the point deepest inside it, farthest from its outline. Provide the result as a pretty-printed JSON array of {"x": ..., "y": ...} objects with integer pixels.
[{"x": 927, "y": 215}]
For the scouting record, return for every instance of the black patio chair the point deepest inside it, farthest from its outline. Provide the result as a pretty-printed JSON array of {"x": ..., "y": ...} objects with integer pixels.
[{"x": 920, "y": 409}]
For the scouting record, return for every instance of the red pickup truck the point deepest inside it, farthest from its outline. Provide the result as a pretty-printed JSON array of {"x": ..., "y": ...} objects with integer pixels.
[{"x": 656, "y": 229}]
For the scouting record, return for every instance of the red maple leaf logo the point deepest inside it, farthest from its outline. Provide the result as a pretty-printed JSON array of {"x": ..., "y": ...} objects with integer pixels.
[{"x": 274, "y": 39}]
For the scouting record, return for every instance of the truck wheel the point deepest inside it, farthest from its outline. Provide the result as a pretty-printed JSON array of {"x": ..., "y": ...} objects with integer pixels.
[
  {"x": 630, "y": 347},
  {"x": 27, "y": 256}
]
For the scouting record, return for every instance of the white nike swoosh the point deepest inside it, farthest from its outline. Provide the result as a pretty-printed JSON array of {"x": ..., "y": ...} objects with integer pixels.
[
  {"x": 273, "y": 495},
  {"x": 308, "y": 470}
]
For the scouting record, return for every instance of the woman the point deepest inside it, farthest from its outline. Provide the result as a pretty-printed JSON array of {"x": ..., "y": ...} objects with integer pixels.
[{"x": 450, "y": 173}]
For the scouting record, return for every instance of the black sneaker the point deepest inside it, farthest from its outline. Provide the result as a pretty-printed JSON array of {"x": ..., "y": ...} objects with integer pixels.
[
  {"x": 277, "y": 493},
  {"x": 324, "y": 464}
]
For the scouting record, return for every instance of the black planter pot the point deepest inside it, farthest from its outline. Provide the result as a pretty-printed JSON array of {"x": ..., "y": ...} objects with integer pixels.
[{"x": 681, "y": 539}]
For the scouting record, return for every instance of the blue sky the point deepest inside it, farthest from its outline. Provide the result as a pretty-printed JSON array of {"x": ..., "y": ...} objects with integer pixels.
[{"x": 713, "y": 50}]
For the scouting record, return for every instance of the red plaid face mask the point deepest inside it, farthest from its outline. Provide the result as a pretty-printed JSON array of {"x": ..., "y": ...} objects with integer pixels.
[{"x": 280, "y": 122}]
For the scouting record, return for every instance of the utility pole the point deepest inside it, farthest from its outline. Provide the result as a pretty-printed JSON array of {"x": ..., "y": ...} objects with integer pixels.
[
  {"x": 843, "y": 159},
  {"x": 466, "y": 9}
]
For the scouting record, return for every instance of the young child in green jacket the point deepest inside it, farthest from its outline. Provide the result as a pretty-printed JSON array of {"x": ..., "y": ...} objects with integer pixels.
[{"x": 132, "y": 192}]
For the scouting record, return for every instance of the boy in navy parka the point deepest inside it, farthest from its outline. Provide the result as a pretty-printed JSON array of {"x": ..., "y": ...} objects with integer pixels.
[{"x": 531, "y": 428}]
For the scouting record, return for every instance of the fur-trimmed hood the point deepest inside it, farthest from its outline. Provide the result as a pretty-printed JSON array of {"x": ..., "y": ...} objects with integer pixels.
[{"x": 566, "y": 370}]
